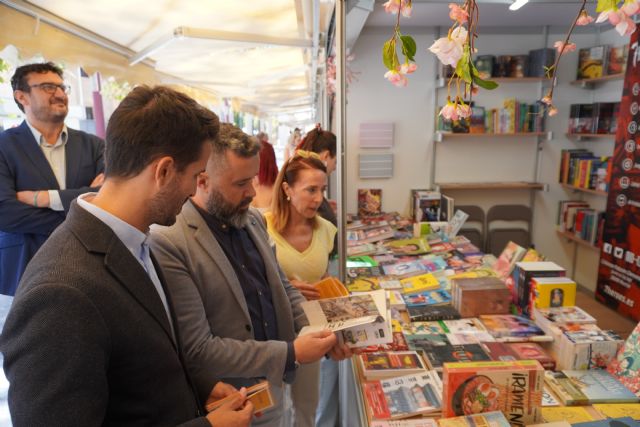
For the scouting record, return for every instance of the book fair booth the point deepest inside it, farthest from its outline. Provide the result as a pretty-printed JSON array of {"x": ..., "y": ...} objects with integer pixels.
[{"x": 486, "y": 268}]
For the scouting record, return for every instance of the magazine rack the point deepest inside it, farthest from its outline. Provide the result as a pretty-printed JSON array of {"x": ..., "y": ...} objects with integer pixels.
[{"x": 498, "y": 236}]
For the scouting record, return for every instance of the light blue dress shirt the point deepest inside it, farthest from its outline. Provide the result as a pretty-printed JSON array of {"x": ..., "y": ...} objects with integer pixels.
[
  {"x": 56, "y": 156},
  {"x": 134, "y": 239}
]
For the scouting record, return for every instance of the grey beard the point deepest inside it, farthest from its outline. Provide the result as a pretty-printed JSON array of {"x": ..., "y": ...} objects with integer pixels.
[{"x": 225, "y": 212}]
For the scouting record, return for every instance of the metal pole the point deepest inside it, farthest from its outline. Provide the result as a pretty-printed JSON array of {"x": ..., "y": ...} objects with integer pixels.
[{"x": 341, "y": 134}]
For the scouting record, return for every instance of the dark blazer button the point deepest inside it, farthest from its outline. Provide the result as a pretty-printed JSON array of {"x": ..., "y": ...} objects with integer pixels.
[{"x": 247, "y": 327}]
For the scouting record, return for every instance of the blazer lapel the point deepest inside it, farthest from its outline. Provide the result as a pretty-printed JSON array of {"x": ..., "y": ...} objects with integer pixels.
[
  {"x": 34, "y": 153},
  {"x": 97, "y": 237},
  {"x": 212, "y": 248}
]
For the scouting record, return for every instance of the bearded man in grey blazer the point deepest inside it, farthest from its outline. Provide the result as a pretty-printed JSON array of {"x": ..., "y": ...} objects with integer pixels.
[
  {"x": 238, "y": 313},
  {"x": 91, "y": 338}
]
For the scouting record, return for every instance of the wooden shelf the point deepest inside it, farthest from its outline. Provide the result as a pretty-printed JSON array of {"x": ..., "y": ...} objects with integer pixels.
[
  {"x": 586, "y": 136},
  {"x": 589, "y": 83},
  {"x": 584, "y": 190},
  {"x": 570, "y": 236},
  {"x": 441, "y": 136},
  {"x": 504, "y": 185}
]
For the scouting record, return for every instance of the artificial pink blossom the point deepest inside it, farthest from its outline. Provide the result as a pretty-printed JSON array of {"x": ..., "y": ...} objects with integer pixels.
[
  {"x": 450, "y": 50},
  {"x": 408, "y": 68},
  {"x": 464, "y": 110},
  {"x": 630, "y": 8},
  {"x": 584, "y": 19},
  {"x": 449, "y": 111},
  {"x": 546, "y": 100},
  {"x": 458, "y": 14},
  {"x": 552, "y": 111},
  {"x": 396, "y": 78},
  {"x": 561, "y": 47},
  {"x": 395, "y": 6},
  {"x": 626, "y": 26}
]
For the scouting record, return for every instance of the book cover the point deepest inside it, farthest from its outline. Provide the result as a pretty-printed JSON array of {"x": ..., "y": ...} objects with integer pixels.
[
  {"x": 540, "y": 60},
  {"x": 613, "y": 422},
  {"x": 533, "y": 351},
  {"x": 457, "y": 338},
  {"x": 431, "y": 312},
  {"x": 468, "y": 325},
  {"x": 446, "y": 208},
  {"x": 426, "y": 205},
  {"x": 437, "y": 355},
  {"x": 626, "y": 365},
  {"x": 591, "y": 62},
  {"x": 421, "y": 422},
  {"x": 515, "y": 388},
  {"x": 509, "y": 327},
  {"x": 404, "y": 396},
  {"x": 369, "y": 202},
  {"x": 398, "y": 343},
  {"x": 435, "y": 297},
  {"x": 370, "y": 334},
  {"x": 430, "y": 327},
  {"x": 330, "y": 287},
  {"x": 480, "y": 295},
  {"x": 499, "y": 351},
  {"x": 259, "y": 394},
  {"x": 363, "y": 284},
  {"x": 415, "y": 284},
  {"x": 561, "y": 315},
  {"x": 617, "y": 410},
  {"x": 420, "y": 341},
  {"x": 548, "y": 398},
  {"x": 414, "y": 246},
  {"x": 522, "y": 275},
  {"x": 599, "y": 386},
  {"x": 506, "y": 262},
  {"x": 553, "y": 291},
  {"x": 587, "y": 348},
  {"x": 617, "y": 63},
  {"x": 341, "y": 313},
  {"x": 390, "y": 364},
  {"x": 484, "y": 64},
  {"x": 369, "y": 272},
  {"x": 570, "y": 414},
  {"x": 488, "y": 419}
]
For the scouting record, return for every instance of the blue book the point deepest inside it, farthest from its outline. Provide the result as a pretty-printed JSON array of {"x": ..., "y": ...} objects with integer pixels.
[
  {"x": 599, "y": 386},
  {"x": 613, "y": 422}
]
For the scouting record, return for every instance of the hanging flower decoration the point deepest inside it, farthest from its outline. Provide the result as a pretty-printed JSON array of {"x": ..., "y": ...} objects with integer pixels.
[
  {"x": 618, "y": 12},
  {"x": 456, "y": 50},
  {"x": 397, "y": 72},
  {"x": 331, "y": 73}
]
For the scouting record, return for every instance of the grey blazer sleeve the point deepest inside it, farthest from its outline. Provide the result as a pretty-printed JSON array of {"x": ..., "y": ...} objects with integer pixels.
[{"x": 209, "y": 357}]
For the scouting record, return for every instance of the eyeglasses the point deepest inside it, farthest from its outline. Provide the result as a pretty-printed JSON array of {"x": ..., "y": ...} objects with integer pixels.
[{"x": 50, "y": 88}]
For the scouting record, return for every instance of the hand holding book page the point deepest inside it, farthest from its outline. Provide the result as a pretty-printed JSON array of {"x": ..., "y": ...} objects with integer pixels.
[{"x": 307, "y": 290}]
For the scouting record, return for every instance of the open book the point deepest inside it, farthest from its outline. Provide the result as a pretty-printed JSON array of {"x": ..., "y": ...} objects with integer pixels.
[
  {"x": 337, "y": 314},
  {"x": 258, "y": 394}
]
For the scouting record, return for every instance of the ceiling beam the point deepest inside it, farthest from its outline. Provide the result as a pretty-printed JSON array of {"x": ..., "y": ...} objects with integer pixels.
[
  {"x": 358, "y": 12},
  {"x": 207, "y": 34}
]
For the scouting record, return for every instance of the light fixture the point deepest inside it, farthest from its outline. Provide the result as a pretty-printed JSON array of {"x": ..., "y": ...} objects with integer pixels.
[{"x": 517, "y": 4}]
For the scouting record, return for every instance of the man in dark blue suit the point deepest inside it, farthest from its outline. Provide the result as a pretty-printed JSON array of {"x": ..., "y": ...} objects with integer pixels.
[{"x": 43, "y": 166}]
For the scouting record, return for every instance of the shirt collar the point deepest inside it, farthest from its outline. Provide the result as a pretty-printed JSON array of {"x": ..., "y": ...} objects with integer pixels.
[
  {"x": 128, "y": 234},
  {"x": 37, "y": 135}
]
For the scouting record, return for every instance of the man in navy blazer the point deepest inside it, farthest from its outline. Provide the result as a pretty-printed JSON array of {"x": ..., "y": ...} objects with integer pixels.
[{"x": 43, "y": 166}]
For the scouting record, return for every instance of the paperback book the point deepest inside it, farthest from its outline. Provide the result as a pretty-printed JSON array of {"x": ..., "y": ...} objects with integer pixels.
[
  {"x": 369, "y": 202},
  {"x": 506, "y": 262},
  {"x": 404, "y": 396},
  {"x": 514, "y": 388},
  {"x": 375, "y": 366},
  {"x": 435, "y": 297},
  {"x": 431, "y": 313},
  {"x": 512, "y": 328},
  {"x": 488, "y": 419},
  {"x": 413, "y": 246},
  {"x": 258, "y": 394},
  {"x": 437, "y": 355},
  {"x": 416, "y": 284},
  {"x": 586, "y": 387}
]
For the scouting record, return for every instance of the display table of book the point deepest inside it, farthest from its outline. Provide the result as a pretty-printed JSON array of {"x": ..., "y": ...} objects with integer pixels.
[{"x": 463, "y": 334}]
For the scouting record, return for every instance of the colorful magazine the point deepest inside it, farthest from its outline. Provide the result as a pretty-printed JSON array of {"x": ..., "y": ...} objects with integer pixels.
[
  {"x": 509, "y": 327},
  {"x": 435, "y": 297},
  {"x": 414, "y": 246}
]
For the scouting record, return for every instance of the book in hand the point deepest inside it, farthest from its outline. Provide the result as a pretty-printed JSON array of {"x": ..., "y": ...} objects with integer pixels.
[
  {"x": 336, "y": 314},
  {"x": 375, "y": 333},
  {"x": 514, "y": 388},
  {"x": 403, "y": 397},
  {"x": 389, "y": 364},
  {"x": 330, "y": 287},
  {"x": 258, "y": 394},
  {"x": 491, "y": 419}
]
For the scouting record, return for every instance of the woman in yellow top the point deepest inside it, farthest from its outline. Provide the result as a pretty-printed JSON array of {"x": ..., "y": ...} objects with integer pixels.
[{"x": 303, "y": 242}]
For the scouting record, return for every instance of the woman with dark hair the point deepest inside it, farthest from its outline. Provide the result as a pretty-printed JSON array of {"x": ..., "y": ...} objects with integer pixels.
[
  {"x": 323, "y": 143},
  {"x": 267, "y": 174},
  {"x": 303, "y": 241}
]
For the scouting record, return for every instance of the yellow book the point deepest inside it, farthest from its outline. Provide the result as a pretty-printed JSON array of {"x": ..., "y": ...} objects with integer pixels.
[
  {"x": 619, "y": 410},
  {"x": 571, "y": 414},
  {"x": 554, "y": 291},
  {"x": 396, "y": 326},
  {"x": 363, "y": 284},
  {"x": 420, "y": 283},
  {"x": 330, "y": 287}
]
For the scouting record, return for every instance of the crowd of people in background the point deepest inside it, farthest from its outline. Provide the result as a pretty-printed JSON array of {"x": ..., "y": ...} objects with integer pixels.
[{"x": 146, "y": 285}]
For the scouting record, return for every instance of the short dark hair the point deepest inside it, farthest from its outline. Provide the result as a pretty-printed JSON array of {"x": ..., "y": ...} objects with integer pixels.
[
  {"x": 232, "y": 138},
  {"x": 152, "y": 122},
  {"x": 318, "y": 141},
  {"x": 19, "y": 78}
]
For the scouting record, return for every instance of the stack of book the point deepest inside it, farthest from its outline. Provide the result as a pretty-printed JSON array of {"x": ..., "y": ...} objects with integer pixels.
[{"x": 600, "y": 118}]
